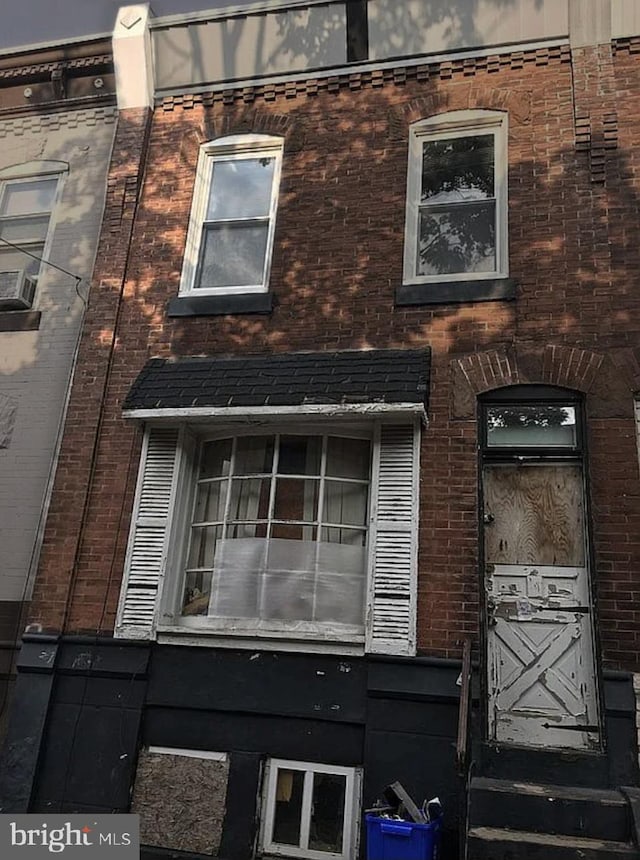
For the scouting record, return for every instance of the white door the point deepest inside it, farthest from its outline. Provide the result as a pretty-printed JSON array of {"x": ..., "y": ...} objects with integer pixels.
[{"x": 541, "y": 683}]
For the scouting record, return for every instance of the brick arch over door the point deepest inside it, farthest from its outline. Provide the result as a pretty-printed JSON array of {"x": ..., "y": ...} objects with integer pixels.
[{"x": 607, "y": 382}]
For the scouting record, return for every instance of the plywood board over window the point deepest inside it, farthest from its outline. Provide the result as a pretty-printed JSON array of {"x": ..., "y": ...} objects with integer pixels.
[{"x": 180, "y": 796}]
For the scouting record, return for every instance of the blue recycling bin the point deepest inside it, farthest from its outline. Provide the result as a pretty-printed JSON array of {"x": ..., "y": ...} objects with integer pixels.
[{"x": 388, "y": 839}]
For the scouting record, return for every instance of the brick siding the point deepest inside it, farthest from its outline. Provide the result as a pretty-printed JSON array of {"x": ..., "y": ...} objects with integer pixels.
[{"x": 573, "y": 223}]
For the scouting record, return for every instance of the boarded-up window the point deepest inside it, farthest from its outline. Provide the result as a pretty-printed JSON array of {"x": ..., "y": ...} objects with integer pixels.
[{"x": 180, "y": 797}]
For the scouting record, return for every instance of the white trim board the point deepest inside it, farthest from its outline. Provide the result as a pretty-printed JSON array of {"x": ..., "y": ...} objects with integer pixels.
[
  {"x": 206, "y": 413},
  {"x": 204, "y": 754}
]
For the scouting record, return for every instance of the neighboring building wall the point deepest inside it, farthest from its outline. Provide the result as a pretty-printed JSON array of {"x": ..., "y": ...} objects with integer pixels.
[
  {"x": 35, "y": 366},
  {"x": 56, "y": 120}
]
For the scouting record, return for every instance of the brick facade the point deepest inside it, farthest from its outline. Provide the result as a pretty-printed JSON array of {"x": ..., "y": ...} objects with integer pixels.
[{"x": 573, "y": 216}]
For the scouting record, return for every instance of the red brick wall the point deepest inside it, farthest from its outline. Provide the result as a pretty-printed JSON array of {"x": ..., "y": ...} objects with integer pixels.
[{"x": 573, "y": 220}]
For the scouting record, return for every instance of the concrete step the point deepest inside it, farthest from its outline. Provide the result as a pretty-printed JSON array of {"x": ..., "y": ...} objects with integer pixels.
[
  {"x": 544, "y": 766},
  {"x": 552, "y": 809},
  {"x": 494, "y": 843}
]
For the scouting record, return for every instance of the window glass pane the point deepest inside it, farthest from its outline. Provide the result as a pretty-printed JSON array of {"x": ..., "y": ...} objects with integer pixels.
[
  {"x": 327, "y": 812},
  {"x": 345, "y": 503},
  {"x": 288, "y": 807},
  {"x": 249, "y": 499},
  {"x": 300, "y": 455},
  {"x": 197, "y": 591},
  {"x": 210, "y": 502},
  {"x": 353, "y": 537},
  {"x": 241, "y": 188},
  {"x": 233, "y": 255},
  {"x": 293, "y": 532},
  {"x": 296, "y": 499},
  {"x": 254, "y": 455},
  {"x": 25, "y": 229},
  {"x": 458, "y": 169},
  {"x": 28, "y": 198},
  {"x": 348, "y": 458},
  {"x": 216, "y": 459},
  {"x": 203, "y": 544},
  {"x": 249, "y": 530},
  {"x": 457, "y": 238},
  {"x": 13, "y": 260},
  {"x": 340, "y": 584},
  {"x": 536, "y": 425}
]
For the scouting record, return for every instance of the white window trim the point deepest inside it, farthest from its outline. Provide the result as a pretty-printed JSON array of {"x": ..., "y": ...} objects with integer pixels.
[
  {"x": 306, "y": 631},
  {"x": 207, "y": 755},
  {"x": 456, "y": 124},
  {"x": 152, "y": 582},
  {"x": 16, "y": 176},
  {"x": 353, "y": 779},
  {"x": 234, "y": 147}
]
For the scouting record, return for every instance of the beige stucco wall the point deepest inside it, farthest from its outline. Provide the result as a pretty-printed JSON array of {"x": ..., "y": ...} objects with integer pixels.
[{"x": 35, "y": 365}]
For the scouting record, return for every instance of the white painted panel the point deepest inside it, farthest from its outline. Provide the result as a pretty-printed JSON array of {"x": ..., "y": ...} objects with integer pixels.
[
  {"x": 147, "y": 550},
  {"x": 391, "y": 615},
  {"x": 625, "y": 18},
  {"x": 414, "y": 27},
  {"x": 251, "y": 46}
]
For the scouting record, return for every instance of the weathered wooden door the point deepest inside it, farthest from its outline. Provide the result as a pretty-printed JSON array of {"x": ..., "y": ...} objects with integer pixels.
[{"x": 541, "y": 684}]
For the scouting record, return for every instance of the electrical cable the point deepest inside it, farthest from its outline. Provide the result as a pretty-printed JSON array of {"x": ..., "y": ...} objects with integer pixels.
[{"x": 78, "y": 278}]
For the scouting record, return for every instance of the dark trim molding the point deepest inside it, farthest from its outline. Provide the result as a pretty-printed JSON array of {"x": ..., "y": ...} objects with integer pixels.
[
  {"x": 456, "y": 292},
  {"x": 357, "y": 31},
  {"x": 29, "y": 709},
  {"x": 20, "y": 320},
  {"x": 201, "y": 306}
]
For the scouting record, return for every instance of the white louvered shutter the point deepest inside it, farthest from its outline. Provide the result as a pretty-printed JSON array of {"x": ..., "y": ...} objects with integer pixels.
[
  {"x": 391, "y": 616},
  {"x": 147, "y": 550}
]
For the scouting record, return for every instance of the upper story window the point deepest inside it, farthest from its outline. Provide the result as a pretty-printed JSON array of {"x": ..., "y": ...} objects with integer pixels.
[
  {"x": 230, "y": 237},
  {"x": 25, "y": 212},
  {"x": 456, "y": 221}
]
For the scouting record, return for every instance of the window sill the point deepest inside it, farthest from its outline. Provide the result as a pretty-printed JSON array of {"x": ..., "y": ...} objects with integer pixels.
[
  {"x": 19, "y": 320},
  {"x": 202, "y": 306},
  {"x": 352, "y": 647},
  {"x": 456, "y": 292}
]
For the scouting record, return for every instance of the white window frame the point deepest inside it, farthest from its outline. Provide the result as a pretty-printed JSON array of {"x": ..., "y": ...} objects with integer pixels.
[
  {"x": 456, "y": 124},
  {"x": 353, "y": 780},
  {"x": 181, "y": 528},
  {"x": 151, "y": 590},
  {"x": 231, "y": 148},
  {"x": 18, "y": 177}
]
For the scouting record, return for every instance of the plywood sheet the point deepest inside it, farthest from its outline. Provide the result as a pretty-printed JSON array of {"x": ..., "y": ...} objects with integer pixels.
[
  {"x": 181, "y": 801},
  {"x": 534, "y": 515}
]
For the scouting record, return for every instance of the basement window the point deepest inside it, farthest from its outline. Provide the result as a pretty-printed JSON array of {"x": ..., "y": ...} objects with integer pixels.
[{"x": 310, "y": 810}]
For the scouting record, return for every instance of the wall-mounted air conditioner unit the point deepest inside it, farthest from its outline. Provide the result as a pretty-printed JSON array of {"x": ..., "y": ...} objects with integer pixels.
[{"x": 16, "y": 290}]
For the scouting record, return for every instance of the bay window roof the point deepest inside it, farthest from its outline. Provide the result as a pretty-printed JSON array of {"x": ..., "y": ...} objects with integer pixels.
[{"x": 387, "y": 376}]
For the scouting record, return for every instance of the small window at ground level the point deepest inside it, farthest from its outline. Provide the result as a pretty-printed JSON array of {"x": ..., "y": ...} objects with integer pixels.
[{"x": 310, "y": 810}]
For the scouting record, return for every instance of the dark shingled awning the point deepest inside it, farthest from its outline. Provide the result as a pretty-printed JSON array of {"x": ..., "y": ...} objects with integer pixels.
[{"x": 287, "y": 379}]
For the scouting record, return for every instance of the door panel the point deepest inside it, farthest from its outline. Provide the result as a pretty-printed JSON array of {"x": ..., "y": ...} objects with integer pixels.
[
  {"x": 537, "y": 515},
  {"x": 540, "y": 654}
]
